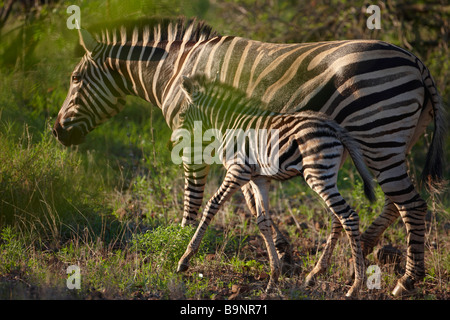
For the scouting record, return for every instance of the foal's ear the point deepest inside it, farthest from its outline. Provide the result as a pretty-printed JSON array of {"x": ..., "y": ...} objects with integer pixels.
[{"x": 188, "y": 85}]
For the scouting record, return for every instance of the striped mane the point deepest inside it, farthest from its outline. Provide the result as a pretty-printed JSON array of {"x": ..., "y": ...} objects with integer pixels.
[{"x": 152, "y": 29}]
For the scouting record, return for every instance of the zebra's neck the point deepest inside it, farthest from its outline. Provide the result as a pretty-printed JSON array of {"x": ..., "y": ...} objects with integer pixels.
[{"x": 147, "y": 70}]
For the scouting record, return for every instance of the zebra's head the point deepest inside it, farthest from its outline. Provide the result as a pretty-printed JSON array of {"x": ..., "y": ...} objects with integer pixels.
[
  {"x": 94, "y": 95},
  {"x": 192, "y": 91}
]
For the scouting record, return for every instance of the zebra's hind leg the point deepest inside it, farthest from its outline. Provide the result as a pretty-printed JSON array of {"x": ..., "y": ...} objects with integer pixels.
[
  {"x": 412, "y": 208},
  {"x": 261, "y": 189},
  {"x": 282, "y": 245},
  {"x": 235, "y": 178},
  {"x": 325, "y": 259},
  {"x": 414, "y": 219}
]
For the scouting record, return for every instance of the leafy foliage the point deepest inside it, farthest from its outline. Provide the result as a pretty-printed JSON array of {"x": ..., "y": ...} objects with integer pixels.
[{"x": 165, "y": 244}]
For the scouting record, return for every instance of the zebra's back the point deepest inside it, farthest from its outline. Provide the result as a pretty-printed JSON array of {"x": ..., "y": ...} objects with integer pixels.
[{"x": 290, "y": 77}]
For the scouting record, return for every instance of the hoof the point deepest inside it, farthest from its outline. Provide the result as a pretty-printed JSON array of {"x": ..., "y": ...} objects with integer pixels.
[
  {"x": 310, "y": 281},
  {"x": 404, "y": 289},
  {"x": 353, "y": 292},
  {"x": 350, "y": 297},
  {"x": 182, "y": 267}
]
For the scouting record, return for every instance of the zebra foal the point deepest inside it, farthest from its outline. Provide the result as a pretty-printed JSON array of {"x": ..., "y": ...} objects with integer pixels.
[{"x": 304, "y": 144}]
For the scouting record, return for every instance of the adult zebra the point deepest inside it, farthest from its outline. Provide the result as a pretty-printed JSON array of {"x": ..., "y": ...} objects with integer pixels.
[{"x": 349, "y": 80}]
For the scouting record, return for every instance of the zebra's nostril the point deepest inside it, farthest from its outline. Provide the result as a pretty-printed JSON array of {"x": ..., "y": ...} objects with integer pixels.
[{"x": 55, "y": 133}]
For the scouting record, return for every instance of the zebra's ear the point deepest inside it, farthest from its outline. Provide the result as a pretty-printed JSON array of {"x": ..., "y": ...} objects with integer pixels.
[{"x": 87, "y": 41}]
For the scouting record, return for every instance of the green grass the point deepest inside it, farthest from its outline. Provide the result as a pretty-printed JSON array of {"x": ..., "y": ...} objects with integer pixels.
[{"x": 113, "y": 209}]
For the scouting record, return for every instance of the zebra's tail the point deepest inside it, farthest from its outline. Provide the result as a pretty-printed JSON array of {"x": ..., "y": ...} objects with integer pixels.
[
  {"x": 433, "y": 171},
  {"x": 355, "y": 153}
]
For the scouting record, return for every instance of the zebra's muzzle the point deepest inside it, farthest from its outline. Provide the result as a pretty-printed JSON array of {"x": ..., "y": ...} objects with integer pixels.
[{"x": 68, "y": 137}]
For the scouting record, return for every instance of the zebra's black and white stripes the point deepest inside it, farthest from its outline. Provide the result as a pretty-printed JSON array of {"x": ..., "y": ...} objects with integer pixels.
[
  {"x": 304, "y": 144},
  {"x": 383, "y": 95}
]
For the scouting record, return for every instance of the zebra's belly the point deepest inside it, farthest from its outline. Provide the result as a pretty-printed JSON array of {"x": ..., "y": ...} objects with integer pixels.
[{"x": 280, "y": 174}]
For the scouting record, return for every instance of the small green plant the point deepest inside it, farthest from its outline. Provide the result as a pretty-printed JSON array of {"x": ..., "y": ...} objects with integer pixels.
[
  {"x": 164, "y": 245},
  {"x": 12, "y": 251},
  {"x": 240, "y": 265}
]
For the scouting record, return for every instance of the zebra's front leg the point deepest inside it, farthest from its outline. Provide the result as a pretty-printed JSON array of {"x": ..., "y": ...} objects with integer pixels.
[
  {"x": 235, "y": 178},
  {"x": 195, "y": 176},
  {"x": 261, "y": 192},
  {"x": 282, "y": 245}
]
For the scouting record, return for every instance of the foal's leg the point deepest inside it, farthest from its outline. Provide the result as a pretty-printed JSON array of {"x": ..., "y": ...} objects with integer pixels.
[
  {"x": 236, "y": 177},
  {"x": 195, "y": 176},
  {"x": 261, "y": 188},
  {"x": 281, "y": 243}
]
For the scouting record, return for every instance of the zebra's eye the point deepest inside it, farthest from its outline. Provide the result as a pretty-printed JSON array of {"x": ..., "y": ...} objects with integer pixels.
[{"x": 76, "y": 78}]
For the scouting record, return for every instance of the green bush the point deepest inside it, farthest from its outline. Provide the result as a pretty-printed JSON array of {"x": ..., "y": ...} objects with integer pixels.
[{"x": 165, "y": 245}]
